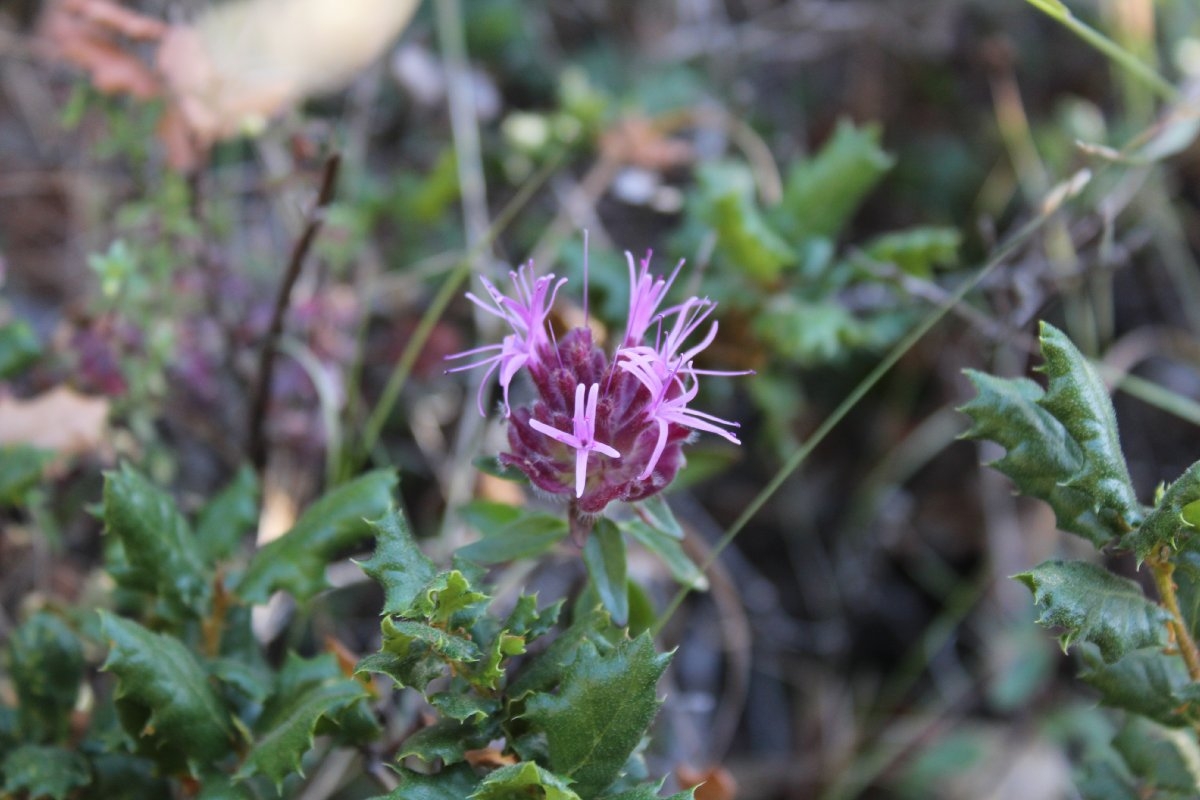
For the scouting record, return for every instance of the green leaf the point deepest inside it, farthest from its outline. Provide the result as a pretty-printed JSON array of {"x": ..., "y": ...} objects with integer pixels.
[
  {"x": 413, "y": 653},
  {"x": 507, "y": 537},
  {"x": 548, "y": 669},
  {"x": 669, "y": 551},
  {"x": 176, "y": 706},
  {"x": 285, "y": 732},
  {"x": 448, "y": 740},
  {"x": 917, "y": 251},
  {"x": 46, "y": 666},
  {"x": 228, "y": 517},
  {"x": 296, "y": 561},
  {"x": 822, "y": 193},
  {"x": 1093, "y": 605},
  {"x": 462, "y": 704},
  {"x": 453, "y": 783},
  {"x": 37, "y": 771},
  {"x": 1147, "y": 682},
  {"x": 120, "y": 776},
  {"x": 809, "y": 333},
  {"x": 19, "y": 347},
  {"x": 1169, "y": 519},
  {"x": 20, "y": 470},
  {"x": 448, "y": 596},
  {"x": 1055, "y": 8},
  {"x": 603, "y": 707},
  {"x": 160, "y": 548},
  {"x": 1040, "y": 455},
  {"x": 488, "y": 672},
  {"x": 604, "y": 557},
  {"x": 398, "y": 563},
  {"x": 1077, "y": 398},
  {"x": 488, "y": 515},
  {"x": 656, "y": 512},
  {"x": 650, "y": 792},
  {"x": 518, "y": 781},
  {"x": 744, "y": 238},
  {"x": 1165, "y": 758}
]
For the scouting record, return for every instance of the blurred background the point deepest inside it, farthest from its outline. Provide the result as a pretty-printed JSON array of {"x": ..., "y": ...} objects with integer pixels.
[{"x": 832, "y": 170}]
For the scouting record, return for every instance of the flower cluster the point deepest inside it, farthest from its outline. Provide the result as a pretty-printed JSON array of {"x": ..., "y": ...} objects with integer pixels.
[{"x": 600, "y": 429}]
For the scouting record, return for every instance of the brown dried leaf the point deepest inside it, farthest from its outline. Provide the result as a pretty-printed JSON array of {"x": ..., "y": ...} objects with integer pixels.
[
  {"x": 635, "y": 140},
  {"x": 489, "y": 757},
  {"x": 61, "y": 420},
  {"x": 713, "y": 783},
  {"x": 87, "y": 34}
]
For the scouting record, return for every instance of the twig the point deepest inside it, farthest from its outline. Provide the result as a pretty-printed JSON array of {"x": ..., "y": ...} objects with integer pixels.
[
  {"x": 1164, "y": 571},
  {"x": 257, "y": 441}
]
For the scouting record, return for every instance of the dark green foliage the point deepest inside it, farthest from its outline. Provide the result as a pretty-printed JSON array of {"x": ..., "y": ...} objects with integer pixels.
[
  {"x": 44, "y": 771},
  {"x": 45, "y": 662},
  {"x": 228, "y": 517},
  {"x": 604, "y": 556}
]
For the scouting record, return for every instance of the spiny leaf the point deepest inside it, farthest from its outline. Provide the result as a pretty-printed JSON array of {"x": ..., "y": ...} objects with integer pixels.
[
  {"x": 603, "y": 707},
  {"x": 821, "y": 193},
  {"x": 39, "y": 771},
  {"x": 1147, "y": 682},
  {"x": 230, "y": 515},
  {"x": 547, "y": 670},
  {"x": 157, "y": 542},
  {"x": 604, "y": 557},
  {"x": 518, "y": 780},
  {"x": 488, "y": 672},
  {"x": 296, "y": 561},
  {"x": 650, "y": 792},
  {"x": 1168, "y": 520},
  {"x": 1040, "y": 455},
  {"x": 448, "y": 596},
  {"x": 1165, "y": 758},
  {"x": 46, "y": 665},
  {"x": 1077, "y": 398},
  {"x": 398, "y": 563},
  {"x": 1093, "y": 605},
  {"x": 159, "y": 676},
  {"x": 453, "y": 783},
  {"x": 462, "y": 704},
  {"x": 414, "y": 653},
  {"x": 528, "y": 622},
  {"x": 448, "y": 740}
]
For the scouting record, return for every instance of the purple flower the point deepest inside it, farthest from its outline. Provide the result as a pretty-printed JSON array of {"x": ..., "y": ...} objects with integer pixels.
[{"x": 601, "y": 429}]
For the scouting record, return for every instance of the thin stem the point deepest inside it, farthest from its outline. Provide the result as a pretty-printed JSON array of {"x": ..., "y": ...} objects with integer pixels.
[
  {"x": 851, "y": 400},
  {"x": 1164, "y": 572},
  {"x": 257, "y": 441}
]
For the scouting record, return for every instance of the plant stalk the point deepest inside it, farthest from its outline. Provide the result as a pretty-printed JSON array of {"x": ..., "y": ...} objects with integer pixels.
[{"x": 1164, "y": 572}]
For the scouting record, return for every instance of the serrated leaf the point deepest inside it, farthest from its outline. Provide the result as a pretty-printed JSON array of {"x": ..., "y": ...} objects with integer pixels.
[
  {"x": 669, "y": 551},
  {"x": 530, "y": 623},
  {"x": 287, "y": 734},
  {"x": 821, "y": 193},
  {"x": 1170, "y": 516},
  {"x": 1040, "y": 455},
  {"x": 744, "y": 237},
  {"x": 517, "y": 780},
  {"x": 656, "y": 512},
  {"x": 40, "y": 771},
  {"x": 45, "y": 662},
  {"x": 20, "y": 470},
  {"x": 414, "y": 653},
  {"x": 1076, "y": 397},
  {"x": 547, "y": 670},
  {"x": 448, "y": 596},
  {"x": 917, "y": 251},
  {"x": 650, "y": 792},
  {"x": 228, "y": 517},
  {"x": 462, "y": 704},
  {"x": 296, "y": 561},
  {"x": 448, "y": 740},
  {"x": 809, "y": 333},
  {"x": 157, "y": 542},
  {"x": 488, "y": 673},
  {"x": 603, "y": 707},
  {"x": 157, "y": 674},
  {"x": 527, "y": 535},
  {"x": 1096, "y": 606},
  {"x": 1165, "y": 758},
  {"x": 398, "y": 563},
  {"x": 1147, "y": 682},
  {"x": 453, "y": 783},
  {"x": 604, "y": 557},
  {"x": 19, "y": 348}
]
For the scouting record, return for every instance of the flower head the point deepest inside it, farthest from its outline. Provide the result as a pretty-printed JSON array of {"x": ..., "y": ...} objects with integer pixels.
[{"x": 601, "y": 428}]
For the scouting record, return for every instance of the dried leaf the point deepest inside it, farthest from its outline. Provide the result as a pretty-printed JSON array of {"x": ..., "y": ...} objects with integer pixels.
[{"x": 61, "y": 420}]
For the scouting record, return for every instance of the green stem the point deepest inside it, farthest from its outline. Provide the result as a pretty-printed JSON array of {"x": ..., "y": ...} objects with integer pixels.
[{"x": 1119, "y": 55}]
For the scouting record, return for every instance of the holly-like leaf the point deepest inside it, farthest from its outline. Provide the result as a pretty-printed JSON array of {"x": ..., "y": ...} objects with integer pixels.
[
  {"x": 1093, "y": 605},
  {"x": 822, "y": 193},
  {"x": 448, "y": 740},
  {"x": 1147, "y": 682},
  {"x": 917, "y": 251},
  {"x": 414, "y": 653},
  {"x": 40, "y": 771},
  {"x": 158, "y": 545},
  {"x": 1165, "y": 758},
  {"x": 547, "y": 670},
  {"x": 604, "y": 557},
  {"x": 650, "y": 792},
  {"x": 398, "y": 563},
  {"x": 526, "y": 779},
  {"x": 448, "y": 596},
  {"x": 121, "y": 776},
  {"x": 1165, "y": 524},
  {"x": 296, "y": 561},
  {"x": 669, "y": 551},
  {"x": 1076, "y": 397},
  {"x": 528, "y": 622},
  {"x": 489, "y": 671},
  {"x": 744, "y": 237},
  {"x": 228, "y": 517},
  {"x": 462, "y": 704},
  {"x": 20, "y": 470},
  {"x": 159, "y": 679},
  {"x": 286, "y": 729},
  {"x": 507, "y": 538},
  {"x": 453, "y": 783},
  {"x": 604, "y": 705},
  {"x": 1041, "y": 456},
  {"x": 46, "y": 666},
  {"x": 19, "y": 347}
]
